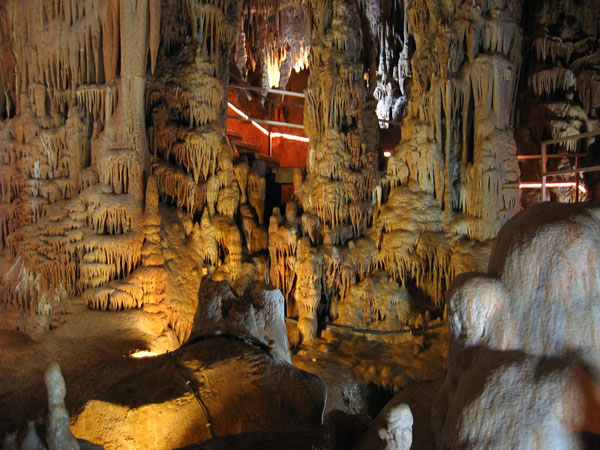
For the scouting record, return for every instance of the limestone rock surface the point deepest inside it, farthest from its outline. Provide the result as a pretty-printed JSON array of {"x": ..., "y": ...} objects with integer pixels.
[
  {"x": 524, "y": 353},
  {"x": 212, "y": 387}
]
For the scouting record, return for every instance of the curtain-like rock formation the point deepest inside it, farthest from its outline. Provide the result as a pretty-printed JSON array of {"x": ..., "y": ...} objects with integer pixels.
[
  {"x": 81, "y": 175},
  {"x": 78, "y": 145}
]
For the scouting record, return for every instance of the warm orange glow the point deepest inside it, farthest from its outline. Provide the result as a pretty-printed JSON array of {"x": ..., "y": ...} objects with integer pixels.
[
  {"x": 275, "y": 57},
  {"x": 291, "y": 137},
  {"x": 552, "y": 184},
  {"x": 142, "y": 354},
  {"x": 301, "y": 59},
  {"x": 245, "y": 116},
  {"x": 387, "y": 154},
  {"x": 273, "y": 65}
]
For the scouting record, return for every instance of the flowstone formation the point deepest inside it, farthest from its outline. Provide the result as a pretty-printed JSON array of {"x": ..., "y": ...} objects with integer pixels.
[
  {"x": 560, "y": 92},
  {"x": 220, "y": 201},
  {"x": 379, "y": 243},
  {"x": 457, "y": 157},
  {"x": 99, "y": 131},
  {"x": 524, "y": 353},
  {"x": 75, "y": 154}
]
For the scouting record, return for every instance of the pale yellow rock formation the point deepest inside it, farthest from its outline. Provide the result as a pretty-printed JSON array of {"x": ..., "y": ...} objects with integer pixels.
[{"x": 59, "y": 435}]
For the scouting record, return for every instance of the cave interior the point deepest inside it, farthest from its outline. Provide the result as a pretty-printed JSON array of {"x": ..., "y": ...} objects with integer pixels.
[{"x": 311, "y": 224}]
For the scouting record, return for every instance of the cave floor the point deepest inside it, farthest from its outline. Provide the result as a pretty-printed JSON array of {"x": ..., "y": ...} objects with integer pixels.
[
  {"x": 89, "y": 346},
  {"x": 363, "y": 375}
]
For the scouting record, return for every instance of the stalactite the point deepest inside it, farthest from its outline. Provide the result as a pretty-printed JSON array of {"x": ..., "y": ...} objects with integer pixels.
[
  {"x": 92, "y": 99},
  {"x": 281, "y": 35},
  {"x": 180, "y": 185},
  {"x": 549, "y": 80},
  {"x": 389, "y": 309},
  {"x": 563, "y": 85},
  {"x": 464, "y": 170}
]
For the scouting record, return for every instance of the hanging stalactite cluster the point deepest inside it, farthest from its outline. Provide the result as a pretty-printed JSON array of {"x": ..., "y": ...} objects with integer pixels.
[
  {"x": 273, "y": 41},
  {"x": 73, "y": 206}
]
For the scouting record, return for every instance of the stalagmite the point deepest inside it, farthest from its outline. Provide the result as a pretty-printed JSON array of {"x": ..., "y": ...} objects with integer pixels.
[
  {"x": 256, "y": 237},
  {"x": 241, "y": 174},
  {"x": 341, "y": 164},
  {"x": 308, "y": 267},
  {"x": 257, "y": 193},
  {"x": 59, "y": 436},
  {"x": 228, "y": 201},
  {"x": 376, "y": 303},
  {"x": 125, "y": 190}
]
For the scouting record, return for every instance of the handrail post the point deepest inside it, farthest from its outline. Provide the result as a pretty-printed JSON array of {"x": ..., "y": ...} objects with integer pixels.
[
  {"x": 576, "y": 180},
  {"x": 543, "y": 172}
]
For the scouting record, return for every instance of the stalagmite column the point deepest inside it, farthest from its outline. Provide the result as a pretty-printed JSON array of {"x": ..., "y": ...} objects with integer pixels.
[
  {"x": 188, "y": 102},
  {"x": 76, "y": 148},
  {"x": 342, "y": 159},
  {"x": 340, "y": 122},
  {"x": 74, "y": 158},
  {"x": 457, "y": 140},
  {"x": 457, "y": 157},
  {"x": 135, "y": 19}
]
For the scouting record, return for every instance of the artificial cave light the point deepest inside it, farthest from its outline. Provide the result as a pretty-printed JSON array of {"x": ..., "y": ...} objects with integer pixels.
[
  {"x": 552, "y": 184},
  {"x": 263, "y": 130},
  {"x": 291, "y": 137},
  {"x": 274, "y": 62},
  {"x": 273, "y": 70},
  {"x": 142, "y": 354}
]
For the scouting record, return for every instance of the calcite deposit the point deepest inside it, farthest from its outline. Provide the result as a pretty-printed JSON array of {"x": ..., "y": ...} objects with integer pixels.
[
  {"x": 111, "y": 125},
  {"x": 192, "y": 395},
  {"x": 524, "y": 353},
  {"x": 59, "y": 435}
]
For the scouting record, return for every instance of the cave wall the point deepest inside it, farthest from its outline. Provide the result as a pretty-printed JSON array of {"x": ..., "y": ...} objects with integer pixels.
[
  {"x": 108, "y": 106},
  {"x": 377, "y": 242},
  {"x": 112, "y": 119},
  {"x": 77, "y": 145}
]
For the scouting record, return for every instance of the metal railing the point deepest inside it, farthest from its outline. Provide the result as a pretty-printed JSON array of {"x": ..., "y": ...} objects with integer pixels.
[
  {"x": 362, "y": 331},
  {"x": 544, "y": 157},
  {"x": 256, "y": 121},
  {"x": 282, "y": 92}
]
